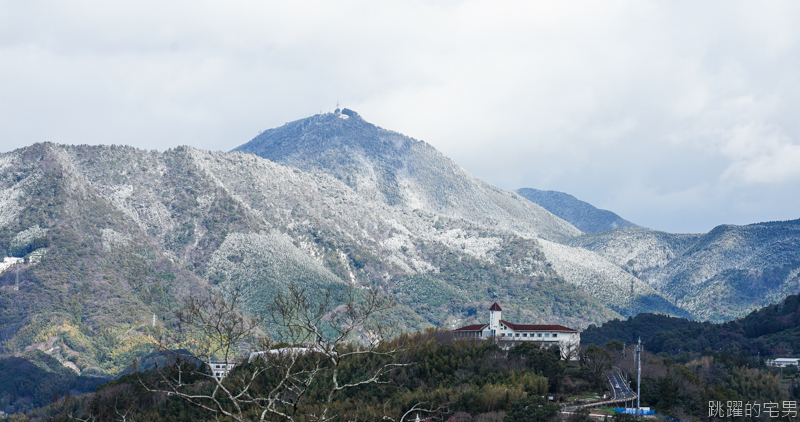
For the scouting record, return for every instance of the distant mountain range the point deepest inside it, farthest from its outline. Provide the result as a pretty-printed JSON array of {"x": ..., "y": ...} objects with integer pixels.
[
  {"x": 718, "y": 276},
  {"x": 582, "y": 215},
  {"x": 115, "y": 238}
]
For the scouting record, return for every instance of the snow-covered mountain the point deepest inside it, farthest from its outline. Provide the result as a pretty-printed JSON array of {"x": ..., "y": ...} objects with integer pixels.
[
  {"x": 720, "y": 275},
  {"x": 410, "y": 175},
  {"x": 390, "y": 168},
  {"x": 115, "y": 238}
]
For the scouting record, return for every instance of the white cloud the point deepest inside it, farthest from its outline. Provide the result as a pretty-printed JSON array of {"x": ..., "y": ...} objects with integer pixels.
[
  {"x": 576, "y": 96},
  {"x": 761, "y": 155}
]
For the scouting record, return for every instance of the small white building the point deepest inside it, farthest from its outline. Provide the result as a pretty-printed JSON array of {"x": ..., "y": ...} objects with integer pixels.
[
  {"x": 508, "y": 335},
  {"x": 784, "y": 362},
  {"x": 220, "y": 368}
]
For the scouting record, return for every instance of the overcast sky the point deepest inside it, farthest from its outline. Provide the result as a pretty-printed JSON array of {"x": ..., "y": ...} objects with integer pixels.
[{"x": 678, "y": 116}]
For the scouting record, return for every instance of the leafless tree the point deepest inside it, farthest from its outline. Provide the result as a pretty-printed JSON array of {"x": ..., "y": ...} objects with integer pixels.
[
  {"x": 320, "y": 326},
  {"x": 570, "y": 348}
]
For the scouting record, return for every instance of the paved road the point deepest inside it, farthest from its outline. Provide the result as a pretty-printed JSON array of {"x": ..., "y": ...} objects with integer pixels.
[
  {"x": 619, "y": 387},
  {"x": 620, "y": 391}
]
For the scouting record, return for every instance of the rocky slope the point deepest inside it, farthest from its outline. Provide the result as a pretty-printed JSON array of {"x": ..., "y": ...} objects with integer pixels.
[{"x": 116, "y": 237}]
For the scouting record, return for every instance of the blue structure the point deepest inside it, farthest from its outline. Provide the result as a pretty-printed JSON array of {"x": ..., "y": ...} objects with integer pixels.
[{"x": 643, "y": 411}]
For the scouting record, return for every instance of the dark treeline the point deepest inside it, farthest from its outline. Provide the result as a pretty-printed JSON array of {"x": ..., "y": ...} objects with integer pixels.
[
  {"x": 773, "y": 331},
  {"x": 463, "y": 379},
  {"x": 35, "y": 379},
  {"x": 685, "y": 366},
  {"x": 466, "y": 380}
]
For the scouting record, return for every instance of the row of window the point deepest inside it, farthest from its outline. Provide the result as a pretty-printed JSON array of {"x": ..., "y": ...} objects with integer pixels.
[{"x": 554, "y": 335}]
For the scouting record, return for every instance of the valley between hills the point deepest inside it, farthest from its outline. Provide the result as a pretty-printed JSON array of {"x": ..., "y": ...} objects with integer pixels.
[{"x": 115, "y": 238}]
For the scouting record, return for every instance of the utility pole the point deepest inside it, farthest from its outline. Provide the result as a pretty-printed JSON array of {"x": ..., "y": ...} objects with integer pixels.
[
  {"x": 639, "y": 375},
  {"x": 16, "y": 286}
]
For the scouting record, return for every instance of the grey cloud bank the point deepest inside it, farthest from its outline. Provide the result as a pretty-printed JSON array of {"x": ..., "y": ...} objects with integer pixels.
[{"x": 675, "y": 115}]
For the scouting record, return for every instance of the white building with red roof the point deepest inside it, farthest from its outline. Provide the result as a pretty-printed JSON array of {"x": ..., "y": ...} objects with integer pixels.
[{"x": 508, "y": 335}]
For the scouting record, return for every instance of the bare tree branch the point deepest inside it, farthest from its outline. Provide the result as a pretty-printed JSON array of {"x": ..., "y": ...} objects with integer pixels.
[{"x": 326, "y": 331}]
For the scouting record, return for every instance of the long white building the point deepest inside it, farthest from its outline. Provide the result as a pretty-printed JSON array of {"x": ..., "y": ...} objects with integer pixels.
[{"x": 508, "y": 335}]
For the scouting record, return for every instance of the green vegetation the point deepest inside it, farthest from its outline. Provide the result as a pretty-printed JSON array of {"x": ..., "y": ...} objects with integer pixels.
[
  {"x": 447, "y": 377},
  {"x": 463, "y": 380},
  {"x": 773, "y": 331},
  {"x": 36, "y": 379},
  {"x": 687, "y": 363}
]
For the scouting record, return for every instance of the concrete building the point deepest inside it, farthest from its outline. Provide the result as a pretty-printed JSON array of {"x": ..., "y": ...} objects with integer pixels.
[
  {"x": 220, "y": 368},
  {"x": 508, "y": 335},
  {"x": 784, "y": 362}
]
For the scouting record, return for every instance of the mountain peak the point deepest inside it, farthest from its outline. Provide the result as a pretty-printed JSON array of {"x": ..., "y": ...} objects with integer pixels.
[
  {"x": 388, "y": 167},
  {"x": 346, "y": 113}
]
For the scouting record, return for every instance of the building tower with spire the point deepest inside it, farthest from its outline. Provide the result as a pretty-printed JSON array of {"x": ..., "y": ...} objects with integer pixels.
[
  {"x": 495, "y": 315},
  {"x": 508, "y": 334}
]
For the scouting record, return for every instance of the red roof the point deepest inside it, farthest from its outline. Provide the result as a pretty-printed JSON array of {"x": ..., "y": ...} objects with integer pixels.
[
  {"x": 495, "y": 307},
  {"x": 475, "y": 327},
  {"x": 521, "y": 327}
]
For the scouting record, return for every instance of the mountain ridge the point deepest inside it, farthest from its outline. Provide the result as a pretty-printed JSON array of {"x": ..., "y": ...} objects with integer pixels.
[
  {"x": 369, "y": 159},
  {"x": 583, "y": 215},
  {"x": 719, "y": 275},
  {"x": 128, "y": 233},
  {"x": 115, "y": 237},
  {"x": 395, "y": 169}
]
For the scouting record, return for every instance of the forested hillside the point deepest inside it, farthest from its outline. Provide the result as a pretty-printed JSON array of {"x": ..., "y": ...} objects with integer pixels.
[
  {"x": 115, "y": 237},
  {"x": 773, "y": 331},
  {"x": 410, "y": 176},
  {"x": 717, "y": 276},
  {"x": 463, "y": 381}
]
